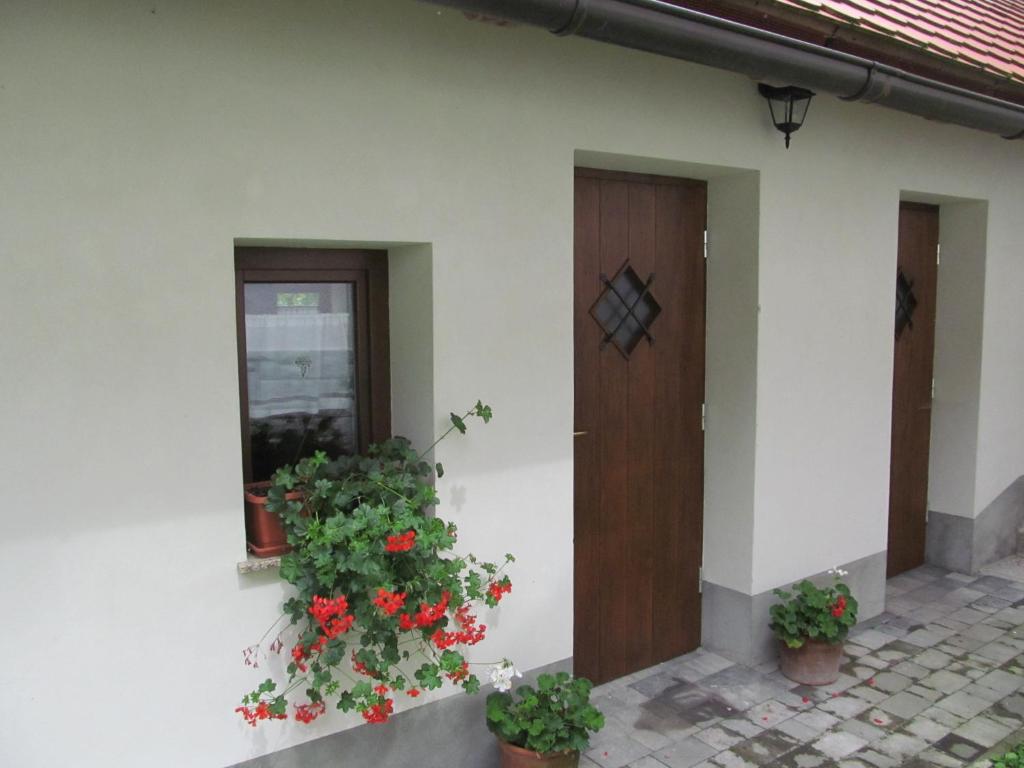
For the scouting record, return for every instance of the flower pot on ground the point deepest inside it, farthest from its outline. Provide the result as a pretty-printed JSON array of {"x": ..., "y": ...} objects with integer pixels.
[
  {"x": 813, "y": 663},
  {"x": 519, "y": 757},
  {"x": 264, "y": 534},
  {"x": 547, "y": 726},
  {"x": 811, "y": 623}
]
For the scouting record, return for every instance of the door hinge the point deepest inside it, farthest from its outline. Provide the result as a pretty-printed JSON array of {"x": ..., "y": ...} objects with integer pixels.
[
  {"x": 933, "y": 388},
  {"x": 938, "y": 253},
  {"x": 703, "y": 416},
  {"x": 705, "y": 245},
  {"x": 700, "y": 580}
]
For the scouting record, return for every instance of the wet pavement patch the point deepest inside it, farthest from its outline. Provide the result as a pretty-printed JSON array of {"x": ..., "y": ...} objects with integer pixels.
[
  {"x": 686, "y": 704},
  {"x": 959, "y": 747},
  {"x": 766, "y": 748}
]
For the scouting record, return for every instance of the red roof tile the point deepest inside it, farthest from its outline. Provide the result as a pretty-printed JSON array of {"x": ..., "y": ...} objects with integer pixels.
[{"x": 983, "y": 34}]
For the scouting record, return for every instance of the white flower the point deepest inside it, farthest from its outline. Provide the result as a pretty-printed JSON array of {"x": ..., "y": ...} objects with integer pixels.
[
  {"x": 839, "y": 573},
  {"x": 502, "y": 674}
]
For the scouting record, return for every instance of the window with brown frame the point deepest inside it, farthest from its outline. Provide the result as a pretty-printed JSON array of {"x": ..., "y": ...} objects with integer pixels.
[{"x": 313, "y": 364}]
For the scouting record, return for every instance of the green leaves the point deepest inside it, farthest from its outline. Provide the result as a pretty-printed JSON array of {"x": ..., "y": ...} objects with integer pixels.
[
  {"x": 346, "y": 701},
  {"x": 428, "y": 676},
  {"x": 278, "y": 706},
  {"x": 362, "y": 690},
  {"x": 1012, "y": 759},
  {"x": 809, "y": 611},
  {"x": 483, "y": 411},
  {"x": 479, "y": 410},
  {"x": 363, "y": 527},
  {"x": 284, "y": 478},
  {"x": 554, "y": 717},
  {"x": 267, "y": 687},
  {"x": 459, "y": 423}
]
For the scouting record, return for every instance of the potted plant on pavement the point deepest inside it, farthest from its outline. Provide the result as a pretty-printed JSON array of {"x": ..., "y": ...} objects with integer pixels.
[
  {"x": 547, "y": 726},
  {"x": 811, "y": 622},
  {"x": 382, "y": 605}
]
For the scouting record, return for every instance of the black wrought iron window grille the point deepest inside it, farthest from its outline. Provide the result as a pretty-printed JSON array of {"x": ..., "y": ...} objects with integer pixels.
[
  {"x": 626, "y": 310},
  {"x": 906, "y": 303}
]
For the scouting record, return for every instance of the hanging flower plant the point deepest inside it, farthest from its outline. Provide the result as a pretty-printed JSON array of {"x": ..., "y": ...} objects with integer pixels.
[{"x": 383, "y": 606}]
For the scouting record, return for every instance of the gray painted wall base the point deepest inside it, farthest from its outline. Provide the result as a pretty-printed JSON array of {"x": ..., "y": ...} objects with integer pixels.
[
  {"x": 966, "y": 544},
  {"x": 451, "y": 733},
  {"x": 948, "y": 542},
  {"x": 735, "y": 625}
]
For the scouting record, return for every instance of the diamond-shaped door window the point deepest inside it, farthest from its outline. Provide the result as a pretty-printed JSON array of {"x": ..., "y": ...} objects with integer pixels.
[
  {"x": 625, "y": 310},
  {"x": 906, "y": 303}
]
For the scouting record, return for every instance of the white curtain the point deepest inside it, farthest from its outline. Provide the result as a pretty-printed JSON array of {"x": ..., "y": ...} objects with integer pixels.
[{"x": 301, "y": 362}]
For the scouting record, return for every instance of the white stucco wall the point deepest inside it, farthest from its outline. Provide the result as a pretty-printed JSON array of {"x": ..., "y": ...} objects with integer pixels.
[
  {"x": 952, "y": 470},
  {"x": 1000, "y": 415},
  {"x": 139, "y": 141}
]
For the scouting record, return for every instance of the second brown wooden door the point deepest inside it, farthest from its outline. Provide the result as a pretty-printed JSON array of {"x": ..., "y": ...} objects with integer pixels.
[
  {"x": 639, "y": 448},
  {"x": 916, "y": 278}
]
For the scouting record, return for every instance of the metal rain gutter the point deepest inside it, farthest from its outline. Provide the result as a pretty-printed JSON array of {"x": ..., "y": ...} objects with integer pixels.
[{"x": 668, "y": 30}]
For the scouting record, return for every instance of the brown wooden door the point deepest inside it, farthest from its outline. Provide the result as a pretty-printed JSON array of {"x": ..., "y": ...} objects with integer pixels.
[
  {"x": 916, "y": 277},
  {"x": 639, "y": 443}
]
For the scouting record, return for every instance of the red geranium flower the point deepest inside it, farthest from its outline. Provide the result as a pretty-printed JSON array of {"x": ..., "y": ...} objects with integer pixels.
[
  {"x": 840, "y": 606},
  {"x": 401, "y": 543},
  {"x": 431, "y": 614},
  {"x": 459, "y": 674},
  {"x": 307, "y": 713},
  {"x": 469, "y": 633},
  {"x": 260, "y": 712},
  {"x": 379, "y": 713},
  {"x": 499, "y": 588},
  {"x": 389, "y": 602},
  {"x": 331, "y": 615}
]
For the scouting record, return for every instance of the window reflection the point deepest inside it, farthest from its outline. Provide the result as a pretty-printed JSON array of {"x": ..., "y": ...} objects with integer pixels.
[{"x": 300, "y": 354}]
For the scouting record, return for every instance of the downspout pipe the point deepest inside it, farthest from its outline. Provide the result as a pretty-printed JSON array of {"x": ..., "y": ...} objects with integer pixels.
[{"x": 665, "y": 29}]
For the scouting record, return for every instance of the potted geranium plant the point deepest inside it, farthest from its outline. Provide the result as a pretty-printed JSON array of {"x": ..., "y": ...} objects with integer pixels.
[
  {"x": 382, "y": 605},
  {"x": 544, "y": 726},
  {"x": 264, "y": 534},
  {"x": 811, "y": 622}
]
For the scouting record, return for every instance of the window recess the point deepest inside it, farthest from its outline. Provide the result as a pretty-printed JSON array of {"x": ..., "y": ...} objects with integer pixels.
[{"x": 312, "y": 354}]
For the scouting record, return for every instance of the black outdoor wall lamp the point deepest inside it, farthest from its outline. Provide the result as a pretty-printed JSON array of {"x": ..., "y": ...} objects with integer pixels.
[{"x": 788, "y": 105}]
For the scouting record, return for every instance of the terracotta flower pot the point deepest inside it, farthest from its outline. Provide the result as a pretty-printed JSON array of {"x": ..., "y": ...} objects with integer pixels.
[
  {"x": 517, "y": 757},
  {"x": 813, "y": 663},
  {"x": 264, "y": 534}
]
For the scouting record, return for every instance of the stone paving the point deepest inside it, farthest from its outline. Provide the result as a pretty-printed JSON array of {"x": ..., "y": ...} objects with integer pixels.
[{"x": 934, "y": 681}]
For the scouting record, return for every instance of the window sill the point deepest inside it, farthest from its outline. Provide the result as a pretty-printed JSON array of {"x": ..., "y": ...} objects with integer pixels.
[{"x": 253, "y": 564}]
